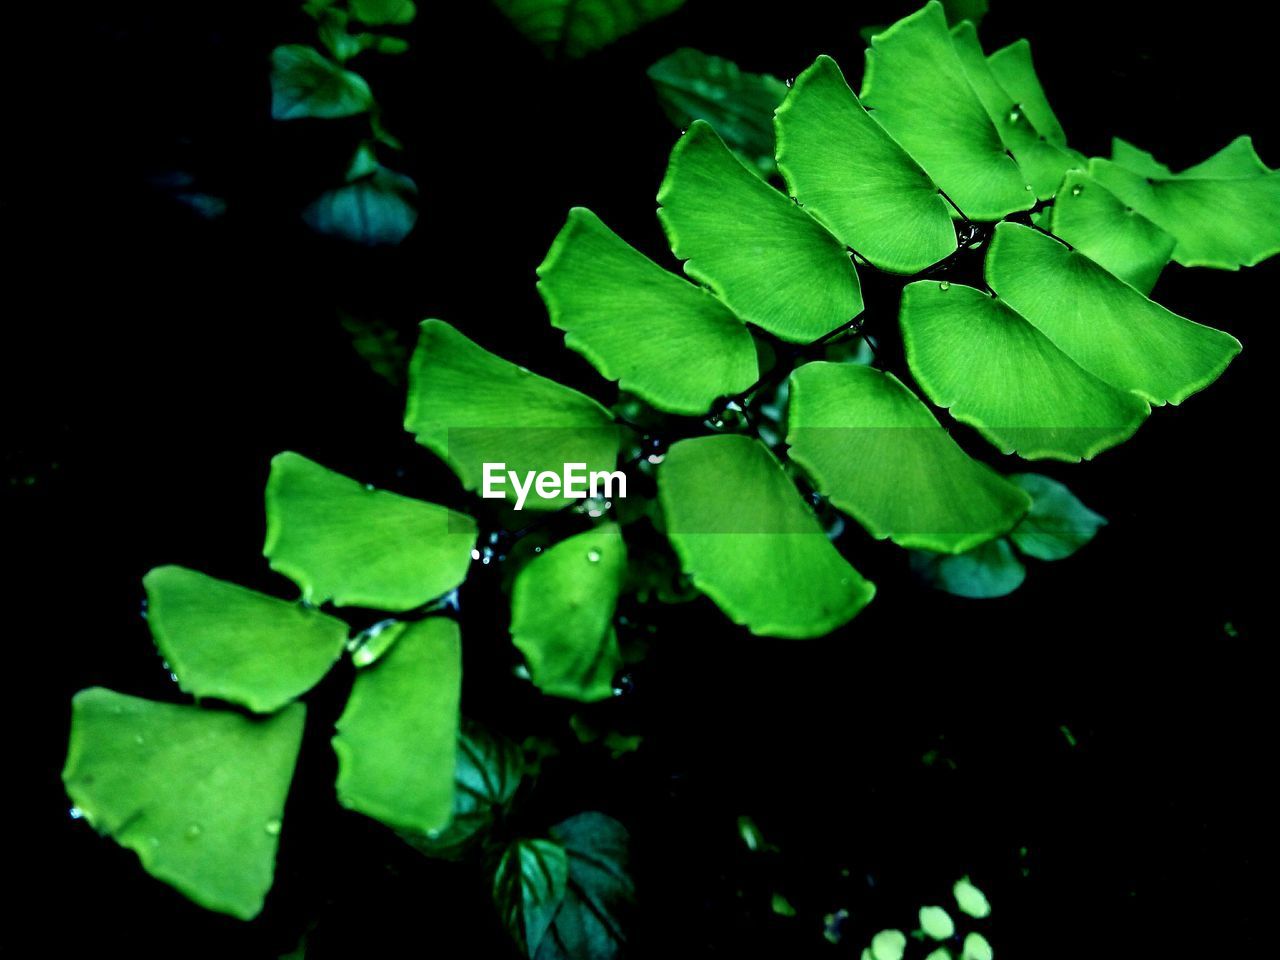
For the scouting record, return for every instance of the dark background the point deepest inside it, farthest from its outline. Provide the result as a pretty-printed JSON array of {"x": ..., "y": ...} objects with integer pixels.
[{"x": 154, "y": 361}]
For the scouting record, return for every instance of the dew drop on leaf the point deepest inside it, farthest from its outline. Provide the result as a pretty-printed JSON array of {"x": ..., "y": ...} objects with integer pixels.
[
  {"x": 593, "y": 555},
  {"x": 273, "y": 827}
]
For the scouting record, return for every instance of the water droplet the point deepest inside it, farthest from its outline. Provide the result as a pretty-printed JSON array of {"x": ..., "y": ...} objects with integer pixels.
[
  {"x": 593, "y": 555},
  {"x": 656, "y": 458},
  {"x": 623, "y": 685},
  {"x": 475, "y": 554},
  {"x": 75, "y": 813},
  {"x": 1015, "y": 114},
  {"x": 368, "y": 486},
  {"x": 1077, "y": 190},
  {"x": 273, "y": 826},
  {"x": 193, "y": 830},
  {"x": 1027, "y": 187},
  {"x": 521, "y": 672},
  {"x": 945, "y": 285},
  {"x": 138, "y": 738}
]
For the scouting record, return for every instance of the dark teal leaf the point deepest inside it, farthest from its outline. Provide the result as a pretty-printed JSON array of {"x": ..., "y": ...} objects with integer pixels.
[
  {"x": 528, "y": 889},
  {"x": 1058, "y": 524},
  {"x": 591, "y": 921},
  {"x": 991, "y": 570},
  {"x": 306, "y": 84},
  {"x": 376, "y": 210}
]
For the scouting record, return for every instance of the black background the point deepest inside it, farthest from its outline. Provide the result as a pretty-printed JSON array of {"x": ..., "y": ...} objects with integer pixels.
[{"x": 154, "y": 362}]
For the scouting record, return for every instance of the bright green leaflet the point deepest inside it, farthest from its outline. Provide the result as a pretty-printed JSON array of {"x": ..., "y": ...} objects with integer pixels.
[
  {"x": 976, "y": 947},
  {"x": 1027, "y": 396},
  {"x": 1015, "y": 71},
  {"x": 1097, "y": 223},
  {"x": 693, "y": 85},
  {"x": 574, "y": 28},
  {"x": 226, "y": 641},
  {"x": 397, "y": 738},
  {"x": 197, "y": 794},
  {"x": 1043, "y": 162},
  {"x": 889, "y": 945},
  {"x": 377, "y": 209},
  {"x": 599, "y": 892},
  {"x": 936, "y": 923},
  {"x": 384, "y": 12},
  {"x": 487, "y": 775},
  {"x": 970, "y": 899},
  {"x": 1058, "y": 524},
  {"x": 306, "y": 84},
  {"x": 772, "y": 263},
  {"x": 855, "y": 179},
  {"x": 562, "y": 607},
  {"x": 662, "y": 338},
  {"x": 983, "y": 573},
  {"x": 942, "y": 953},
  {"x": 751, "y": 544},
  {"x": 1102, "y": 323},
  {"x": 470, "y": 407},
  {"x": 874, "y": 448},
  {"x": 916, "y": 88},
  {"x": 1224, "y": 212},
  {"x": 342, "y": 541},
  {"x": 528, "y": 888}
]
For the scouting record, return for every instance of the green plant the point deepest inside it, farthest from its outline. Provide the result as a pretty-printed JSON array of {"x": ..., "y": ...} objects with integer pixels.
[{"x": 760, "y": 380}]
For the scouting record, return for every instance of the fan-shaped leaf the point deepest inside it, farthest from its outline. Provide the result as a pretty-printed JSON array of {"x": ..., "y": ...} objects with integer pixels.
[
  {"x": 1097, "y": 223},
  {"x": 1016, "y": 72},
  {"x": 397, "y": 738},
  {"x": 197, "y": 794},
  {"x": 889, "y": 945},
  {"x": 976, "y": 947},
  {"x": 669, "y": 342},
  {"x": 226, "y": 641},
  {"x": 376, "y": 209},
  {"x": 772, "y": 263},
  {"x": 875, "y": 449},
  {"x": 562, "y": 607},
  {"x": 470, "y": 407},
  {"x": 751, "y": 544},
  {"x": 306, "y": 84},
  {"x": 1224, "y": 212},
  {"x": 487, "y": 775},
  {"x": 528, "y": 888},
  {"x": 1058, "y": 524},
  {"x": 599, "y": 893},
  {"x": 974, "y": 355},
  {"x": 853, "y": 177},
  {"x": 380, "y": 12},
  {"x": 342, "y": 541},
  {"x": 970, "y": 899},
  {"x": 1101, "y": 322},
  {"x": 983, "y": 573},
  {"x": 1043, "y": 161},
  {"x": 693, "y": 85},
  {"x": 936, "y": 923},
  {"x": 916, "y": 87},
  {"x": 573, "y": 28}
]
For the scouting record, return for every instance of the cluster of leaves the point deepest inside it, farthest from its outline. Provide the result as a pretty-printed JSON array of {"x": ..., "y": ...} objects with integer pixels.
[
  {"x": 375, "y": 205},
  {"x": 937, "y": 935},
  {"x": 742, "y": 408}
]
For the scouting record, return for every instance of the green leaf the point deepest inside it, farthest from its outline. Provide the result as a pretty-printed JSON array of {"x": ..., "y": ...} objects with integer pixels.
[
  {"x": 1016, "y": 72},
  {"x": 1043, "y": 162},
  {"x": 1102, "y": 323},
  {"x": 197, "y": 794},
  {"x": 917, "y": 89},
  {"x": 751, "y": 544},
  {"x": 987, "y": 571},
  {"x": 384, "y": 12},
  {"x": 889, "y": 945},
  {"x": 1224, "y": 212},
  {"x": 470, "y": 407},
  {"x": 850, "y": 175},
  {"x": 397, "y": 738},
  {"x": 599, "y": 893},
  {"x": 1097, "y": 223},
  {"x": 693, "y": 85},
  {"x": 874, "y": 448},
  {"x": 574, "y": 28},
  {"x": 488, "y": 773},
  {"x": 378, "y": 210},
  {"x": 340, "y": 540},
  {"x": 936, "y": 923},
  {"x": 306, "y": 84},
  {"x": 528, "y": 888},
  {"x": 1058, "y": 524},
  {"x": 662, "y": 338},
  {"x": 226, "y": 641},
  {"x": 976, "y": 947},
  {"x": 562, "y": 607},
  {"x": 772, "y": 263},
  {"x": 974, "y": 355},
  {"x": 970, "y": 899}
]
